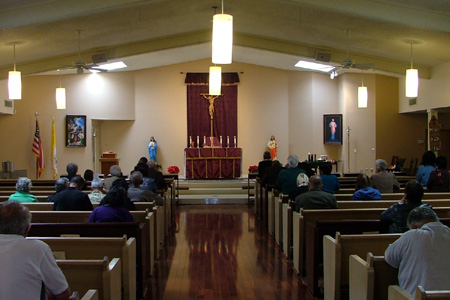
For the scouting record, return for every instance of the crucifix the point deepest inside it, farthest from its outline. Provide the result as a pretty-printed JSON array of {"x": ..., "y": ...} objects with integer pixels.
[{"x": 211, "y": 99}]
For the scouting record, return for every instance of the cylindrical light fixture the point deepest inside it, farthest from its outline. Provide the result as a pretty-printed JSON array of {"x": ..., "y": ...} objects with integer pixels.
[
  {"x": 60, "y": 98},
  {"x": 222, "y": 39},
  {"x": 60, "y": 95},
  {"x": 412, "y": 80},
  {"x": 362, "y": 97},
  {"x": 14, "y": 82},
  {"x": 215, "y": 80}
]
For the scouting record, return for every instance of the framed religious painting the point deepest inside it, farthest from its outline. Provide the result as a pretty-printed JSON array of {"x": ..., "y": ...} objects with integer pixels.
[
  {"x": 75, "y": 131},
  {"x": 332, "y": 129}
]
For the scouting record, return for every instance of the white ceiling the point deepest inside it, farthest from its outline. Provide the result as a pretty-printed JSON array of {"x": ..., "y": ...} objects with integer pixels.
[{"x": 266, "y": 32}]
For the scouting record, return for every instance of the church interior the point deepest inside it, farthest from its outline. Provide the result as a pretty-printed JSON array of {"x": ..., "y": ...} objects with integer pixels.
[{"x": 371, "y": 43}]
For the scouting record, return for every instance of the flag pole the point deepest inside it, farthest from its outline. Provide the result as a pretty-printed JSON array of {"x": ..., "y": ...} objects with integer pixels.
[{"x": 36, "y": 114}]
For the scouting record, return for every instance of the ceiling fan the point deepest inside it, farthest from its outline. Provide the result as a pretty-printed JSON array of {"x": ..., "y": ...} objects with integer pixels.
[
  {"x": 348, "y": 63},
  {"x": 80, "y": 65}
]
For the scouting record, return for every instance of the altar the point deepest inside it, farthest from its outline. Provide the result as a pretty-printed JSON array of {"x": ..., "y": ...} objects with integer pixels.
[{"x": 212, "y": 163}]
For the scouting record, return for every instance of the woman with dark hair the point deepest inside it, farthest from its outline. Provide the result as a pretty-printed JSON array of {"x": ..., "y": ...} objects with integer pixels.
[
  {"x": 363, "y": 190},
  {"x": 330, "y": 182},
  {"x": 439, "y": 180},
  {"x": 112, "y": 208},
  {"x": 426, "y": 167}
]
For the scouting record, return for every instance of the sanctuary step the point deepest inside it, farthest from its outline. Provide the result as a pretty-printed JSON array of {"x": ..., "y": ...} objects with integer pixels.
[{"x": 229, "y": 191}]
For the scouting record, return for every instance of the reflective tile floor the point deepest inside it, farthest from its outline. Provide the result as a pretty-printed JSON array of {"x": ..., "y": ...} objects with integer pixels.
[{"x": 220, "y": 252}]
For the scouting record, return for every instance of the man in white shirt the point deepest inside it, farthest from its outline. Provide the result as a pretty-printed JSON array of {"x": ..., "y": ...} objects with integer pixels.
[
  {"x": 421, "y": 254},
  {"x": 26, "y": 266}
]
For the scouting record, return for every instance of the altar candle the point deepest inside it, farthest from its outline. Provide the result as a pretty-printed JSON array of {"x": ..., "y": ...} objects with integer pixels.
[
  {"x": 221, "y": 141},
  {"x": 190, "y": 141},
  {"x": 204, "y": 141},
  {"x": 198, "y": 140},
  {"x": 228, "y": 141},
  {"x": 235, "y": 141}
]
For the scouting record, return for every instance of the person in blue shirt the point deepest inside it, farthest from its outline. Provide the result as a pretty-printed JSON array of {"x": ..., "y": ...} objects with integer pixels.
[
  {"x": 363, "y": 190},
  {"x": 426, "y": 167},
  {"x": 330, "y": 182}
]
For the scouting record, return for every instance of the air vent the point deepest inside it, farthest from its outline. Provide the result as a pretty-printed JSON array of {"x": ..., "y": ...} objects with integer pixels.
[
  {"x": 322, "y": 56},
  {"x": 8, "y": 103},
  {"x": 412, "y": 101}
]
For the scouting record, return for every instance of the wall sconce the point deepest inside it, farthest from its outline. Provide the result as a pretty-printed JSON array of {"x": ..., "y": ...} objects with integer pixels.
[
  {"x": 222, "y": 39},
  {"x": 412, "y": 80},
  {"x": 362, "y": 94},
  {"x": 215, "y": 80},
  {"x": 60, "y": 95},
  {"x": 15, "y": 82}
]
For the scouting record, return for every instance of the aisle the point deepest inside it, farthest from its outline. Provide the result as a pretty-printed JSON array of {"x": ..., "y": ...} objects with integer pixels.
[{"x": 218, "y": 252}]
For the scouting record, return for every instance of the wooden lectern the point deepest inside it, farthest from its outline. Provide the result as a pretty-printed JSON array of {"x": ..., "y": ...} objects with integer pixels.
[{"x": 107, "y": 160}]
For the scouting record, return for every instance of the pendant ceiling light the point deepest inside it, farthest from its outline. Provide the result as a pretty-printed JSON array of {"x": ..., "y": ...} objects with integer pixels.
[
  {"x": 215, "y": 80},
  {"x": 14, "y": 82},
  {"x": 222, "y": 39},
  {"x": 60, "y": 95},
  {"x": 362, "y": 94},
  {"x": 412, "y": 80}
]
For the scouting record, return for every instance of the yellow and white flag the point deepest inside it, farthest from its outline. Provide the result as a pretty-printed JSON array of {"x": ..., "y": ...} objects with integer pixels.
[{"x": 53, "y": 152}]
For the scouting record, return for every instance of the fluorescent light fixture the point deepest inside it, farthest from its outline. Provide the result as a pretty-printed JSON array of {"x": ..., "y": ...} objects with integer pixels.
[
  {"x": 60, "y": 98},
  {"x": 222, "y": 40},
  {"x": 314, "y": 66},
  {"x": 215, "y": 80},
  {"x": 112, "y": 66},
  {"x": 362, "y": 97}
]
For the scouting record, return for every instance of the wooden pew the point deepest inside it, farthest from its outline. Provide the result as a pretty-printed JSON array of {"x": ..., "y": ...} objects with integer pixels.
[
  {"x": 336, "y": 253},
  {"x": 397, "y": 293},
  {"x": 316, "y": 230},
  {"x": 97, "y": 248},
  {"x": 75, "y": 216},
  {"x": 394, "y": 196},
  {"x": 287, "y": 235},
  {"x": 102, "y": 275},
  {"x": 90, "y": 295},
  {"x": 301, "y": 219},
  {"x": 36, "y": 182},
  {"x": 139, "y": 231},
  {"x": 271, "y": 200},
  {"x": 48, "y": 206},
  {"x": 370, "y": 279},
  {"x": 4, "y": 198},
  {"x": 388, "y": 203}
]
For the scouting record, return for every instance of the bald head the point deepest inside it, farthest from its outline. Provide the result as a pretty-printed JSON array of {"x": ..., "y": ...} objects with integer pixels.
[{"x": 315, "y": 182}]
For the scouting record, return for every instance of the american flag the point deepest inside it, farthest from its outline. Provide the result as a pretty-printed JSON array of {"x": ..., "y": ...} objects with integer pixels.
[{"x": 37, "y": 150}]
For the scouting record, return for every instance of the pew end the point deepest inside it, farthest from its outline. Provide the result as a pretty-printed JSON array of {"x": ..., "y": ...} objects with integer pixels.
[
  {"x": 90, "y": 295},
  {"x": 398, "y": 293}
]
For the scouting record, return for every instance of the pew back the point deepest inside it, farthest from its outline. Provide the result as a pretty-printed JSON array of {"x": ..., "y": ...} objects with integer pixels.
[{"x": 103, "y": 275}]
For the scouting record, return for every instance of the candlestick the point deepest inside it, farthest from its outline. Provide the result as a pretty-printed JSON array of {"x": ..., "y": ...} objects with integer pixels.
[
  {"x": 228, "y": 141},
  {"x": 220, "y": 141},
  {"x": 204, "y": 141},
  {"x": 198, "y": 139},
  {"x": 235, "y": 141},
  {"x": 190, "y": 141}
]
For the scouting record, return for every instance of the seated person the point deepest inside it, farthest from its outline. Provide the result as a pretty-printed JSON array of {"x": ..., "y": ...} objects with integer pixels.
[
  {"x": 271, "y": 173},
  {"x": 123, "y": 184},
  {"x": 138, "y": 194},
  {"x": 112, "y": 208},
  {"x": 72, "y": 198},
  {"x": 72, "y": 169},
  {"x": 60, "y": 185},
  {"x": 212, "y": 142},
  {"x": 426, "y": 167},
  {"x": 287, "y": 178},
  {"x": 98, "y": 192},
  {"x": 315, "y": 198},
  {"x": 148, "y": 183},
  {"x": 330, "y": 182},
  {"x": 439, "y": 180},
  {"x": 421, "y": 254},
  {"x": 302, "y": 186},
  {"x": 397, "y": 214},
  {"x": 264, "y": 164},
  {"x": 363, "y": 190},
  {"x": 88, "y": 176},
  {"x": 160, "y": 182},
  {"x": 23, "y": 186},
  {"x": 26, "y": 266},
  {"x": 382, "y": 180},
  {"x": 116, "y": 173}
]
